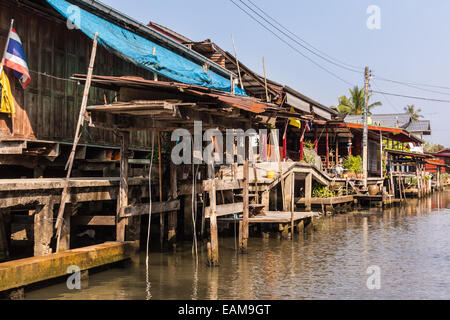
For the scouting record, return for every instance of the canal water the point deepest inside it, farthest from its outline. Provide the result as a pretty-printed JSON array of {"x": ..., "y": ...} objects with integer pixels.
[{"x": 408, "y": 245}]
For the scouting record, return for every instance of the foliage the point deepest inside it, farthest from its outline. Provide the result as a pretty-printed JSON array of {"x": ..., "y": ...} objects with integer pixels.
[
  {"x": 352, "y": 163},
  {"x": 308, "y": 154},
  {"x": 354, "y": 104},
  {"x": 320, "y": 191},
  {"x": 308, "y": 145},
  {"x": 414, "y": 114},
  {"x": 431, "y": 147}
]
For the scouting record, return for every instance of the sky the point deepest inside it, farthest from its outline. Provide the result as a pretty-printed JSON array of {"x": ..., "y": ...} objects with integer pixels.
[{"x": 412, "y": 45}]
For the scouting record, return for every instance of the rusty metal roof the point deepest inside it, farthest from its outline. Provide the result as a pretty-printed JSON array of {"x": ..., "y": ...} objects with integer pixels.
[{"x": 245, "y": 103}]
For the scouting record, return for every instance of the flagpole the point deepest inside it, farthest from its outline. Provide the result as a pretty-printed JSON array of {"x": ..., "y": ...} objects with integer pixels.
[{"x": 6, "y": 46}]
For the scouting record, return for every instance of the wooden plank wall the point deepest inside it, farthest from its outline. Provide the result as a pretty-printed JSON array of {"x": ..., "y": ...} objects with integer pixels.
[{"x": 48, "y": 109}]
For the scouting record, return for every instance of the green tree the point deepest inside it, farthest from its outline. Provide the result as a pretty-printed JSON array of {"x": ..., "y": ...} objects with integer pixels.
[
  {"x": 415, "y": 114},
  {"x": 354, "y": 104}
]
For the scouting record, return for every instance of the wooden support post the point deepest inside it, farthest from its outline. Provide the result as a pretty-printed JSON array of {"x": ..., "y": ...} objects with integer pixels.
[
  {"x": 64, "y": 242},
  {"x": 337, "y": 151},
  {"x": 308, "y": 191},
  {"x": 265, "y": 200},
  {"x": 316, "y": 142},
  {"x": 292, "y": 192},
  {"x": 243, "y": 225},
  {"x": 213, "y": 246},
  {"x": 188, "y": 227},
  {"x": 43, "y": 229},
  {"x": 287, "y": 193},
  {"x": 172, "y": 229},
  {"x": 122, "y": 199},
  {"x": 300, "y": 226},
  {"x": 161, "y": 216},
  {"x": 4, "y": 235},
  {"x": 327, "y": 160}
]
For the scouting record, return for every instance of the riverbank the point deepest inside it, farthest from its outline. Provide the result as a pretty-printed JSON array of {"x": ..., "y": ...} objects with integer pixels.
[{"x": 409, "y": 243}]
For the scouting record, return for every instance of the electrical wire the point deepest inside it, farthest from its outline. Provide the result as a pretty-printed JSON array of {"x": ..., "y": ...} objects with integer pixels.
[
  {"x": 322, "y": 54},
  {"x": 292, "y": 47},
  {"x": 411, "y": 97}
]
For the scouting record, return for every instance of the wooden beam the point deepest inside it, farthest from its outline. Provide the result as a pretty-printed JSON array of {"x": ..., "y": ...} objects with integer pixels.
[
  {"x": 22, "y": 272},
  {"x": 157, "y": 207},
  {"x": 94, "y": 220},
  {"x": 226, "y": 209}
]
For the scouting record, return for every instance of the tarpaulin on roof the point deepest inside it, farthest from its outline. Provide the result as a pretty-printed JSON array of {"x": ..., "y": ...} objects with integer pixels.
[{"x": 139, "y": 50}]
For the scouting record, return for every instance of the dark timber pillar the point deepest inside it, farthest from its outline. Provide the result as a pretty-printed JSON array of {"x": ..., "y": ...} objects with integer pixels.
[
  {"x": 122, "y": 199},
  {"x": 4, "y": 235}
]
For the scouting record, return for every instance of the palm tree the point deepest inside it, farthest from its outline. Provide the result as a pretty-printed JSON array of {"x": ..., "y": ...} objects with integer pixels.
[
  {"x": 415, "y": 114},
  {"x": 355, "y": 103}
]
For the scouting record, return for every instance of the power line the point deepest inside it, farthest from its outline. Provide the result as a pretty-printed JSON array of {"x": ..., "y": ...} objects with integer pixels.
[
  {"x": 297, "y": 42},
  {"x": 292, "y": 47},
  {"x": 386, "y": 97},
  {"x": 358, "y": 69},
  {"x": 412, "y": 83},
  {"x": 411, "y": 97}
]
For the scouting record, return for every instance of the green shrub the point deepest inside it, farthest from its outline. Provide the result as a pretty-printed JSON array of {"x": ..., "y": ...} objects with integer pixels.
[{"x": 352, "y": 163}]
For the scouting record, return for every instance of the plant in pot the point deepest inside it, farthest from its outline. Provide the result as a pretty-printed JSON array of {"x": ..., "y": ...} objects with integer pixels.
[{"x": 352, "y": 164}]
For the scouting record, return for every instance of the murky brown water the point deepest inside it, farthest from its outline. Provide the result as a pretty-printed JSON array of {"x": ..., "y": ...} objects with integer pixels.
[{"x": 410, "y": 244}]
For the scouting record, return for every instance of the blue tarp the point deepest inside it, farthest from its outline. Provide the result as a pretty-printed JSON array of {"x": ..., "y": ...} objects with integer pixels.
[{"x": 138, "y": 50}]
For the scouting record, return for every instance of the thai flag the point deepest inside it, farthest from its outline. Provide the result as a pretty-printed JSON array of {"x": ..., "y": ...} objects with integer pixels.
[{"x": 15, "y": 58}]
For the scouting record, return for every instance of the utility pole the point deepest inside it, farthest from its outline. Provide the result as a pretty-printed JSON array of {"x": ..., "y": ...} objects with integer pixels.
[{"x": 365, "y": 132}]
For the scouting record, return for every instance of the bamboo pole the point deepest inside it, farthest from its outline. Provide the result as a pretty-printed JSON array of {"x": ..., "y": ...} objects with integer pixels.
[
  {"x": 161, "y": 215},
  {"x": 78, "y": 134},
  {"x": 237, "y": 63},
  {"x": 265, "y": 80}
]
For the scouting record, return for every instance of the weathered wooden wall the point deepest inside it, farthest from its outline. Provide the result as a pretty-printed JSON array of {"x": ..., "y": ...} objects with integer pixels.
[{"x": 48, "y": 109}]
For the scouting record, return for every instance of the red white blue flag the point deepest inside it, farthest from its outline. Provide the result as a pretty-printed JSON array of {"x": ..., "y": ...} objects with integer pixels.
[{"x": 15, "y": 58}]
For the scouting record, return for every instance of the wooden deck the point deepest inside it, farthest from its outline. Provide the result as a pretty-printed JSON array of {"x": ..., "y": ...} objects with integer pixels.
[
  {"x": 19, "y": 273},
  {"x": 274, "y": 217},
  {"x": 327, "y": 201}
]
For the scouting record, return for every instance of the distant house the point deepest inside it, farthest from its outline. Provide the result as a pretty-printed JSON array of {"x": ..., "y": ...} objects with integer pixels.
[
  {"x": 419, "y": 128},
  {"x": 441, "y": 160}
]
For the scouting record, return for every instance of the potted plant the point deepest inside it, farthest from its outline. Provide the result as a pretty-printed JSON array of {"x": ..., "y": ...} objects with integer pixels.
[{"x": 353, "y": 165}]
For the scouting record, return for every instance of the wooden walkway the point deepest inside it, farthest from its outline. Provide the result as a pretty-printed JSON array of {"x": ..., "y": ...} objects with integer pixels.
[
  {"x": 327, "y": 201},
  {"x": 23, "y": 272},
  {"x": 274, "y": 217}
]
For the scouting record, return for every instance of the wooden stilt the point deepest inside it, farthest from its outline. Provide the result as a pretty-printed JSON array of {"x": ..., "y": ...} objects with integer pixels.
[
  {"x": 64, "y": 243},
  {"x": 243, "y": 230},
  {"x": 4, "y": 243},
  {"x": 172, "y": 229},
  {"x": 122, "y": 199},
  {"x": 161, "y": 216},
  {"x": 213, "y": 246},
  {"x": 308, "y": 191},
  {"x": 43, "y": 229},
  {"x": 292, "y": 191}
]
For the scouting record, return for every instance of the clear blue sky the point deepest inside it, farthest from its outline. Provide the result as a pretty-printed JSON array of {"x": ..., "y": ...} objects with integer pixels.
[{"x": 412, "y": 45}]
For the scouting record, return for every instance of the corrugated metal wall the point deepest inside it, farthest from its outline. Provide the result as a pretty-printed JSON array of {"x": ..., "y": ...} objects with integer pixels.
[{"x": 48, "y": 109}]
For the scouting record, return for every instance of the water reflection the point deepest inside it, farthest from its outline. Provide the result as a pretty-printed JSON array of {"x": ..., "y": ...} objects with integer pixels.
[{"x": 409, "y": 243}]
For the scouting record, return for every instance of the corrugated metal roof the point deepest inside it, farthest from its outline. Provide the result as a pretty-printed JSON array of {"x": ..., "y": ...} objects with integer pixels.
[
  {"x": 419, "y": 126},
  {"x": 394, "y": 120}
]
